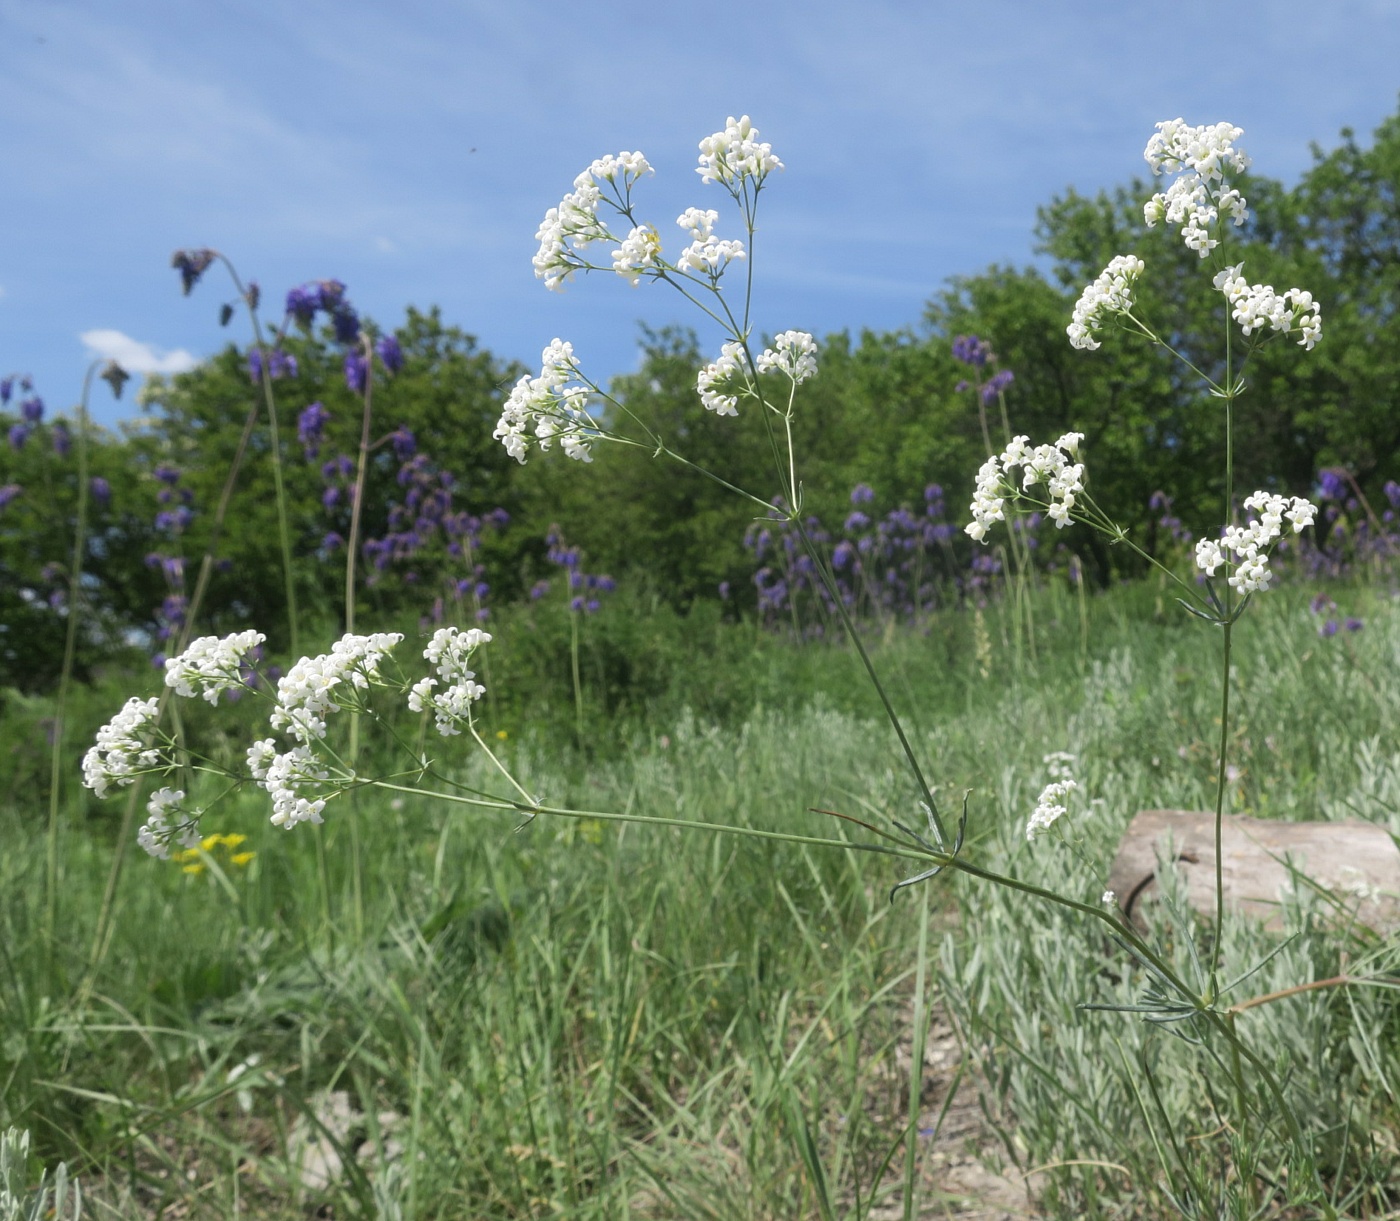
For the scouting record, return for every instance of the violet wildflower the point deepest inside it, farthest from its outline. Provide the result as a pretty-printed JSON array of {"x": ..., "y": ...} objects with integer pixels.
[
  {"x": 101, "y": 490},
  {"x": 403, "y": 442},
  {"x": 32, "y": 409},
  {"x": 311, "y": 424},
  {"x": 1353, "y": 624},
  {"x": 356, "y": 372},
  {"x": 302, "y": 303},
  {"x": 7, "y": 388},
  {"x": 19, "y": 434},
  {"x": 61, "y": 439},
  {"x": 997, "y": 383},
  {"x": 387, "y": 346},
  {"x": 1328, "y": 629},
  {"x": 1331, "y": 484},
  {"x": 8, "y": 493},
  {"x": 971, "y": 351},
  {"x": 346, "y": 324},
  {"x": 862, "y": 494},
  {"x": 191, "y": 264},
  {"x": 279, "y": 364}
]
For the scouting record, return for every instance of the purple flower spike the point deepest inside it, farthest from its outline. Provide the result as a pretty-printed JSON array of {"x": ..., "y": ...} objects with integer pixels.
[
  {"x": 346, "y": 323},
  {"x": 356, "y": 372},
  {"x": 302, "y": 304},
  {"x": 1328, "y": 629},
  {"x": 191, "y": 264},
  {"x": 404, "y": 443},
  {"x": 332, "y": 541},
  {"x": 389, "y": 352},
  {"x": 1332, "y": 484},
  {"x": 8, "y": 493},
  {"x": 62, "y": 439},
  {"x": 996, "y": 384},
  {"x": 1392, "y": 493},
  {"x": 311, "y": 424},
  {"x": 538, "y": 590},
  {"x": 19, "y": 434},
  {"x": 1354, "y": 625},
  {"x": 32, "y": 409},
  {"x": 862, "y": 494},
  {"x": 101, "y": 490},
  {"x": 971, "y": 351},
  {"x": 7, "y": 388}
]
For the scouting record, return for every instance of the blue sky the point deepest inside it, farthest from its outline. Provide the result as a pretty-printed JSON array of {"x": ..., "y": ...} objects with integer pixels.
[{"x": 412, "y": 152}]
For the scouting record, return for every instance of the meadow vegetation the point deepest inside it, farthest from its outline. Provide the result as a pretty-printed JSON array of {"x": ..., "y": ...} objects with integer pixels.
[{"x": 559, "y": 1003}]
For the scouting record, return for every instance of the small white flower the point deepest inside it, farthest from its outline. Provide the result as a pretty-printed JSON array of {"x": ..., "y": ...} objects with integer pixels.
[
  {"x": 1108, "y": 899},
  {"x": 1110, "y": 294},
  {"x": 638, "y": 253},
  {"x": 1209, "y": 556},
  {"x": 315, "y": 686},
  {"x": 211, "y": 664},
  {"x": 155, "y": 835},
  {"x": 793, "y": 353},
  {"x": 547, "y": 407},
  {"x": 716, "y": 382},
  {"x": 123, "y": 749},
  {"x": 1049, "y": 808},
  {"x": 733, "y": 155},
  {"x": 449, "y": 652}
]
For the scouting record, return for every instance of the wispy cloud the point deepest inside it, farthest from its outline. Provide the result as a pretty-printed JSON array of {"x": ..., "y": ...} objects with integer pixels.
[{"x": 135, "y": 356}]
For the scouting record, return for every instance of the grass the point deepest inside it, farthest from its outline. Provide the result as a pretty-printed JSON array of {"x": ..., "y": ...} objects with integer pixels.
[{"x": 575, "y": 1019}]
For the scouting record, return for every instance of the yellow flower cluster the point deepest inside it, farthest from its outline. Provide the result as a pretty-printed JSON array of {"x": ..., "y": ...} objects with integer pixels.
[{"x": 192, "y": 859}]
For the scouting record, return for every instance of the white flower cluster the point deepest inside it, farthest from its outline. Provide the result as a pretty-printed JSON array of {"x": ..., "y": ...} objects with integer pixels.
[
  {"x": 156, "y": 833},
  {"x": 1256, "y": 306},
  {"x": 308, "y": 691},
  {"x": 292, "y": 779},
  {"x": 1047, "y": 464},
  {"x": 573, "y": 226},
  {"x": 716, "y": 381},
  {"x": 449, "y": 652},
  {"x": 706, "y": 253},
  {"x": 1249, "y": 545},
  {"x": 549, "y": 407},
  {"x": 122, "y": 750},
  {"x": 1111, "y": 293},
  {"x": 638, "y": 253},
  {"x": 735, "y": 154},
  {"x": 1198, "y": 199},
  {"x": 793, "y": 353},
  {"x": 1049, "y": 807},
  {"x": 211, "y": 664},
  {"x": 1051, "y": 804}
]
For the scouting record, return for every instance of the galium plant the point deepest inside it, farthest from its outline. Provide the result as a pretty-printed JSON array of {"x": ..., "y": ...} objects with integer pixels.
[{"x": 304, "y": 764}]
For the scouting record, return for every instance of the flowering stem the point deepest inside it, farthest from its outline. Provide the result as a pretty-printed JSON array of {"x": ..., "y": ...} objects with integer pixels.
[
  {"x": 275, "y": 451},
  {"x": 1228, "y": 628},
  {"x": 578, "y": 685},
  {"x": 361, "y": 472},
  {"x": 532, "y": 808},
  {"x": 70, "y": 648},
  {"x": 829, "y": 581},
  {"x": 501, "y": 767}
]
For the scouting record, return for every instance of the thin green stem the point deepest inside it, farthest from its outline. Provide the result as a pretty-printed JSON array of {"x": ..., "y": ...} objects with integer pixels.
[
  {"x": 70, "y": 650},
  {"x": 533, "y": 808},
  {"x": 829, "y": 581},
  {"x": 275, "y": 453}
]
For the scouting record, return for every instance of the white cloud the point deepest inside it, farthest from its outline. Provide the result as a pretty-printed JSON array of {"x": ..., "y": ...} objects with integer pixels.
[{"x": 135, "y": 356}]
